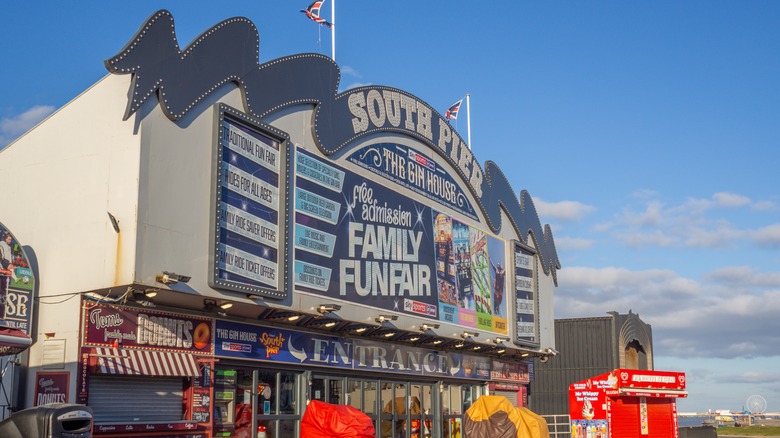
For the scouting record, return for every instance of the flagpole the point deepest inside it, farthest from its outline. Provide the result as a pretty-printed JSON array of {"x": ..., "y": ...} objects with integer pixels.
[
  {"x": 333, "y": 30},
  {"x": 468, "y": 119}
]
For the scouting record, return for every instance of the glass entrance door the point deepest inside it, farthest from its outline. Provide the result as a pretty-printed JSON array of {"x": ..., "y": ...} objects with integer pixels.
[{"x": 400, "y": 409}]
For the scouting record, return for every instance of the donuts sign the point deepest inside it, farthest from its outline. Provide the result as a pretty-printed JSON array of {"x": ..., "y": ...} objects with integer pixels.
[{"x": 120, "y": 326}]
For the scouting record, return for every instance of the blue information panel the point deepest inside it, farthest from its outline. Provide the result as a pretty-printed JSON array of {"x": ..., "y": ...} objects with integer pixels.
[
  {"x": 525, "y": 296},
  {"x": 249, "y": 243}
]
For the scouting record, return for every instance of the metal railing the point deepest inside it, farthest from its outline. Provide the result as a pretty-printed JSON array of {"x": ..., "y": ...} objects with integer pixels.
[{"x": 558, "y": 425}]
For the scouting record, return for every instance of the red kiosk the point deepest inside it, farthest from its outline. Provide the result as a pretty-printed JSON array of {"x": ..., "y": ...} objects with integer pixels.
[{"x": 626, "y": 403}]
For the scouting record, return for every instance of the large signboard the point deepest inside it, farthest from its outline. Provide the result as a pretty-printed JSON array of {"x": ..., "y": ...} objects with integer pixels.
[
  {"x": 17, "y": 284},
  {"x": 526, "y": 308},
  {"x": 109, "y": 325},
  {"x": 416, "y": 171},
  {"x": 357, "y": 240},
  {"x": 248, "y": 244},
  {"x": 244, "y": 341}
]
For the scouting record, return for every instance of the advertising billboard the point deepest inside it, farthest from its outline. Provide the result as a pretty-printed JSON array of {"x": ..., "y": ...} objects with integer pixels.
[
  {"x": 248, "y": 236},
  {"x": 358, "y": 240}
]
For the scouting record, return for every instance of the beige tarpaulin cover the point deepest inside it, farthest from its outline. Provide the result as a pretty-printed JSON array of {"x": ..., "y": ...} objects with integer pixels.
[{"x": 494, "y": 416}]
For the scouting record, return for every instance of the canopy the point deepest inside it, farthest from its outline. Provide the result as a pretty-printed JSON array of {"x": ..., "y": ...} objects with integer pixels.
[
  {"x": 494, "y": 416},
  {"x": 13, "y": 341},
  {"x": 324, "y": 420}
]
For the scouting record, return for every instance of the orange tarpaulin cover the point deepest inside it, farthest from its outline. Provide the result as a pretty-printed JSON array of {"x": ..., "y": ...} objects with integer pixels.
[
  {"x": 324, "y": 420},
  {"x": 494, "y": 416}
]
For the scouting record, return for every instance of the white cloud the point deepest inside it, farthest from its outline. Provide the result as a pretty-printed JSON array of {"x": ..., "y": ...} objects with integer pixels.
[
  {"x": 636, "y": 239},
  {"x": 723, "y": 199},
  {"x": 712, "y": 317},
  {"x": 651, "y": 216},
  {"x": 718, "y": 200},
  {"x": 768, "y": 236},
  {"x": 11, "y": 128},
  {"x": 563, "y": 244},
  {"x": 765, "y": 206},
  {"x": 567, "y": 211},
  {"x": 744, "y": 276},
  {"x": 356, "y": 85},
  {"x": 347, "y": 70},
  {"x": 691, "y": 224}
]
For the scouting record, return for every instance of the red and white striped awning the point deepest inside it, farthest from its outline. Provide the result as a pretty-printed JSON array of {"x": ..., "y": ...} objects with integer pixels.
[{"x": 143, "y": 362}]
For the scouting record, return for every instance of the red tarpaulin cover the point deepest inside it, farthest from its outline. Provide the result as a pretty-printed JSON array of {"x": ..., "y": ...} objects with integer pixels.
[{"x": 324, "y": 420}]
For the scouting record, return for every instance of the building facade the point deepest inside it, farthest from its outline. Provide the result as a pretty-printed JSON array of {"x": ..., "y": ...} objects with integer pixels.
[
  {"x": 589, "y": 347},
  {"x": 230, "y": 239}
]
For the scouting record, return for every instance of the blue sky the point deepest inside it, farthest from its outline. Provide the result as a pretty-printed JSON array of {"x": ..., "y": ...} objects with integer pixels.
[{"x": 647, "y": 132}]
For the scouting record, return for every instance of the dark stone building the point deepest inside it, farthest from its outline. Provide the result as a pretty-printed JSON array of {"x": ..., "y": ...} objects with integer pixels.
[{"x": 589, "y": 347}]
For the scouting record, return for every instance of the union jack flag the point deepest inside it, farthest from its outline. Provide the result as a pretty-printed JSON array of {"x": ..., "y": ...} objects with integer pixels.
[
  {"x": 313, "y": 12},
  {"x": 452, "y": 111}
]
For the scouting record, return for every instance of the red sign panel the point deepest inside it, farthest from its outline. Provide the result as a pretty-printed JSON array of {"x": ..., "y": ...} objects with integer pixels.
[
  {"x": 510, "y": 371},
  {"x": 649, "y": 379},
  {"x": 51, "y": 387},
  {"x": 106, "y": 325}
]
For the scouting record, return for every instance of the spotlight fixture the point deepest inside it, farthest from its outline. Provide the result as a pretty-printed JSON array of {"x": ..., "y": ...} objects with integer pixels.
[
  {"x": 466, "y": 335},
  {"x": 358, "y": 329},
  {"x": 141, "y": 298},
  {"x": 551, "y": 351},
  {"x": 172, "y": 278},
  {"x": 226, "y": 305},
  {"x": 426, "y": 327},
  {"x": 322, "y": 322},
  {"x": 501, "y": 350},
  {"x": 327, "y": 308},
  {"x": 211, "y": 306},
  {"x": 500, "y": 340},
  {"x": 386, "y": 318},
  {"x": 544, "y": 359}
]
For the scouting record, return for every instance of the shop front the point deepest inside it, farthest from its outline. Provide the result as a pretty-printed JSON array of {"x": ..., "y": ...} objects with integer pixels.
[
  {"x": 626, "y": 403},
  {"x": 266, "y": 376},
  {"x": 146, "y": 372}
]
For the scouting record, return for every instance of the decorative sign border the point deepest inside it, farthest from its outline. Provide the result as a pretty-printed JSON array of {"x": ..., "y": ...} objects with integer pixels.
[
  {"x": 183, "y": 78},
  {"x": 250, "y": 191},
  {"x": 526, "y": 325}
]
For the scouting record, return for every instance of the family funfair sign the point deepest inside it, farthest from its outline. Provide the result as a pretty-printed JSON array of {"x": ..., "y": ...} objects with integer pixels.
[{"x": 418, "y": 237}]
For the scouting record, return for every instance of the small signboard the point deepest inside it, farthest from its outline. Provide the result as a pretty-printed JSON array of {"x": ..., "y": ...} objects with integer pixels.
[
  {"x": 17, "y": 284},
  {"x": 51, "y": 387}
]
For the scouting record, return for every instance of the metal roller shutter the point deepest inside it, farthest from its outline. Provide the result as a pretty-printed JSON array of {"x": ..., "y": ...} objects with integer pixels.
[
  {"x": 510, "y": 395},
  {"x": 127, "y": 399}
]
